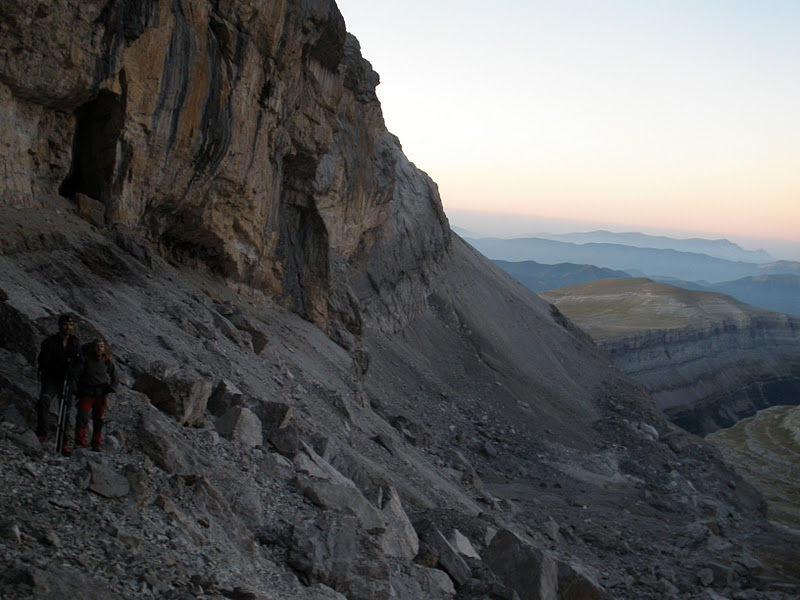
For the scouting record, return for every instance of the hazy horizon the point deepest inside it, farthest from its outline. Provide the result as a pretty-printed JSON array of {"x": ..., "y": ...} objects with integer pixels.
[
  {"x": 669, "y": 114},
  {"x": 503, "y": 225}
]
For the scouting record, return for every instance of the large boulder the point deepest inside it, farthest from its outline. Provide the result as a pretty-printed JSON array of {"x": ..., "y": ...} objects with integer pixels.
[
  {"x": 178, "y": 392},
  {"x": 335, "y": 550},
  {"x": 159, "y": 442},
  {"x": 535, "y": 575},
  {"x": 447, "y": 557},
  {"x": 241, "y": 425}
]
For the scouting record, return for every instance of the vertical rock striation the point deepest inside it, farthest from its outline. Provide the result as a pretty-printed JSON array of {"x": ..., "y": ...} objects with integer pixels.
[{"x": 243, "y": 137}]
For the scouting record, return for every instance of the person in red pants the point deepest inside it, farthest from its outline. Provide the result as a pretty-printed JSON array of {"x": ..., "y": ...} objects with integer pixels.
[{"x": 98, "y": 379}]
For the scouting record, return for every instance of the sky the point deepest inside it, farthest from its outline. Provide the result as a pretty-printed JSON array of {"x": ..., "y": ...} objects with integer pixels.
[{"x": 655, "y": 115}]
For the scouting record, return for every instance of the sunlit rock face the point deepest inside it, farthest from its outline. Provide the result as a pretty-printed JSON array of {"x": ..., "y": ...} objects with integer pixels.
[
  {"x": 243, "y": 137},
  {"x": 708, "y": 360}
]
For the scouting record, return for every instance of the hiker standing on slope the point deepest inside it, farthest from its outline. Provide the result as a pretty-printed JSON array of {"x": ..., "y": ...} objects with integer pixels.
[
  {"x": 60, "y": 359},
  {"x": 98, "y": 379}
]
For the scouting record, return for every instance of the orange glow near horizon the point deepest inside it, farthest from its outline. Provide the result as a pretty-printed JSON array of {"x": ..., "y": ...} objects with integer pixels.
[{"x": 669, "y": 115}]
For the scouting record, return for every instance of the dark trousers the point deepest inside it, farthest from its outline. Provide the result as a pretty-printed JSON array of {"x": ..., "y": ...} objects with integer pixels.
[{"x": 97, "y": 405}]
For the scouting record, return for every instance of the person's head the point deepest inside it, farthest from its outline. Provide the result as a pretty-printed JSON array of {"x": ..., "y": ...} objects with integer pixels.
[
  {"x": 65, "y": 325},
  {"x": 99, "y": 346}
]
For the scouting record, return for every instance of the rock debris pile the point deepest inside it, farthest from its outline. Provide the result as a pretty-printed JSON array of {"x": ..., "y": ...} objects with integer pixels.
[{"x": 228, "y": 472}]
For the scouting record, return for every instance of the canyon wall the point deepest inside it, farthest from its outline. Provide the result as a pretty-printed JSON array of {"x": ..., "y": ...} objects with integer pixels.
[
  {"x": 241, "y": 137},
  {"x": 707, "y": 378},
  {"x": 707, "y": 359}
]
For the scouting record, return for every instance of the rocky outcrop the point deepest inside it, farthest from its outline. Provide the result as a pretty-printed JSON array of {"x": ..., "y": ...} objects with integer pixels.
[
  {"x": 242, "y": 137},
  {"x": 765, "y": 449},
  {"x": 268, "y": 262},
  {"x": 708, "y": 359}
]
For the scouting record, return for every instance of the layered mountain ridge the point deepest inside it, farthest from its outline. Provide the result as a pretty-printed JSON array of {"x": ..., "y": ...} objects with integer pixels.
[
  {"x": 653, "y": 262},
  {"x": 720, "y": 248},
  {"x": 708, "y": 359},
  {"x": 325, "y": 393}
]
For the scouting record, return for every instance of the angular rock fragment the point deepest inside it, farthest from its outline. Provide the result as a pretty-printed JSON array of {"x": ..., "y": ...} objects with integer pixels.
[
  {"x": 107, "y": 482},
  {"x": 180, "y": 393},
  {"x": 423, "y": 582},
  {"x": 9, "y": 530},
  {"x": 462, "y": 544},
  {"x": 241, "y": 425},
  {"x": 311, "y": 463},
  {"x": 447, "y": 557},
  {"x": 274, "y": 415},
  {"x": 535, "y": 575},
  {"x": 90, "y": 209},
  {"x": 400, "y": 538},
  {"x": 346, "y": 500},
  {"x": 164, "y": 448},
  {"x": 286, "y": 441},
  {"x": 333, "y": 549},
  {"x": 30, "y": 444},
  {"x": 224, "y": 396}
]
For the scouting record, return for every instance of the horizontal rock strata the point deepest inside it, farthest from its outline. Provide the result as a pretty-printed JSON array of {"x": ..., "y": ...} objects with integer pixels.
[{"x": 707, "y": 359}]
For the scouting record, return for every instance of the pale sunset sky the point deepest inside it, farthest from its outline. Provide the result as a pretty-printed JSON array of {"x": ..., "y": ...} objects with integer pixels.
[{"x": 656, "y": 115}]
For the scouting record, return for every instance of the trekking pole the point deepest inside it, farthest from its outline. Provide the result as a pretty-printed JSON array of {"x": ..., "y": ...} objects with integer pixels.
[{"x": 63, "y": 413}]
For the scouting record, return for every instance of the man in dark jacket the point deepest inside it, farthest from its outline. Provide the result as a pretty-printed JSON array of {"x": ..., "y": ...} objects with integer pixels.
[
  {"x": 98, "y": 379},
  {"x": 60, "y": 360}
]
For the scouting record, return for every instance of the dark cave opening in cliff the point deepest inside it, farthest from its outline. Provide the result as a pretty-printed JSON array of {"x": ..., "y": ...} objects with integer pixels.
[{"x": 94, "y": 148}]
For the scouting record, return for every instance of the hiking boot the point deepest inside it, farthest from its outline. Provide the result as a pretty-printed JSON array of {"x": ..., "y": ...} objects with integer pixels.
[{"x": 65, "y": 451}]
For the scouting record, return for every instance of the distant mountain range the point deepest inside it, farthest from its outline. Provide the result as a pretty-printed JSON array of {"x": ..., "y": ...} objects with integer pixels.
[
  {"x": 648, "y": 262},
  {"x": 775, "y": 292},
  {"x": 717, "y": 248},
  {"x": 538, "y": 277},
  {"x": 544, "y": 264}
]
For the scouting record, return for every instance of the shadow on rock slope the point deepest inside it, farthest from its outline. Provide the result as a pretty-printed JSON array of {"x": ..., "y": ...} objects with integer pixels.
[{"x": 325, "y": 393}]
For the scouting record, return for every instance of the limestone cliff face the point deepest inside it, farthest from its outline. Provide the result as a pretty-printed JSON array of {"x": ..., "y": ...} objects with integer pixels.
[
  {"x": 244, "y": 137},
  {"x": 708, "y": 360},
  {"x": 709, "y": 377}
]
